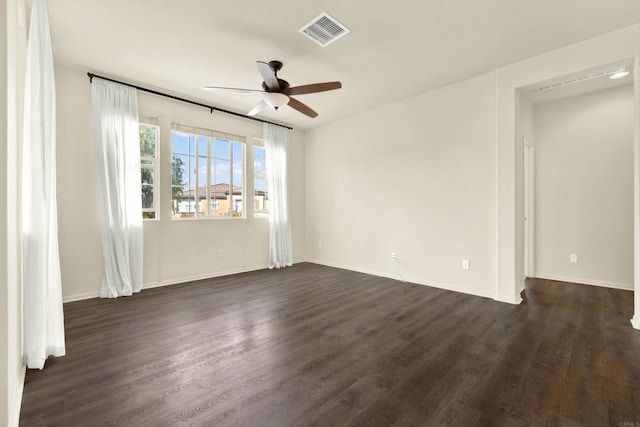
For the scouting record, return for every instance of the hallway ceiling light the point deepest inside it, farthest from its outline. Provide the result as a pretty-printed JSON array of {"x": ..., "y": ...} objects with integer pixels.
[
  {"x": 616, "y": 73},
  {"x": 622, "y": 72}
]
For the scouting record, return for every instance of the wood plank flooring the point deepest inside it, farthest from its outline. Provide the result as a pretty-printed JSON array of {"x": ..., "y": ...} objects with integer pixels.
[{"x": 313, "y": 345}]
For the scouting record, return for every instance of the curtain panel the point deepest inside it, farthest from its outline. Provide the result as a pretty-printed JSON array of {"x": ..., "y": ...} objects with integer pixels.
[
  {"x": 43, "y": 318},
  {"x": 276, "y": 143},
  {"x": 117, "y": 144}
]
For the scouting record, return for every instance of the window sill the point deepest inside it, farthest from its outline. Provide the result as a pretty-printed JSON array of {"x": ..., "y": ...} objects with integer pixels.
[{"x": 210, "y": 218}]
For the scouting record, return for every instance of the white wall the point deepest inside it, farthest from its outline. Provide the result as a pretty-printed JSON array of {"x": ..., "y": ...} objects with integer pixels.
[
  {"x": 175, "y": 251},
  {"x": 584, "y": 188},
  {"x": 416, "y": 177},
  {"x": 363, "y": 238},
  {"x": 12, "y": 59}
]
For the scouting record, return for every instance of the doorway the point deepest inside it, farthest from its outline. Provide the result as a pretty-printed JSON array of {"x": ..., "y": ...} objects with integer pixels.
[{"x": 580, "y": 174}]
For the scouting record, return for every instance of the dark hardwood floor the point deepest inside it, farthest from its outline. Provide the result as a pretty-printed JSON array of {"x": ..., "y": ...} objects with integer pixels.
[{"x": 313, "y": 345}]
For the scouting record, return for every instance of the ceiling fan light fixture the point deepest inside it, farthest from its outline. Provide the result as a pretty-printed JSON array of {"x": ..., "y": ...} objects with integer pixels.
[
  {"x": 276, "y": 99},
  {"x": 619, "y": 74}
]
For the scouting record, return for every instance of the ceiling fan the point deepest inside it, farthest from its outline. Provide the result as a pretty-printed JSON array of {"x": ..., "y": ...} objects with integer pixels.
[{"x": 277, "y": 92}]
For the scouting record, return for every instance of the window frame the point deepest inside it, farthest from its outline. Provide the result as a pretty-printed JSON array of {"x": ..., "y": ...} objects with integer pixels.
[
  {"x": 154, "y": 167},
  {"x": 211, "y": 136}
]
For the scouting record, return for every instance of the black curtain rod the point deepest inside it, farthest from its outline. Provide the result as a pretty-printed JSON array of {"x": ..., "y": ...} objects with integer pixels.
[{"x": 177, "y": 98}]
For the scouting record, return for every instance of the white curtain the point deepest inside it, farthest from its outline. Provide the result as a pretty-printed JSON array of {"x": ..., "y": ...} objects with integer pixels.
[
  {"x": 42, "y": 299},
  {"x": 276, "y": 142},
  {"x": 117, "y": 143}
]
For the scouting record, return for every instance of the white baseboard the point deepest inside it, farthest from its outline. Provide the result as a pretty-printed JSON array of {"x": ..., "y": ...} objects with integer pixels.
[
  {"x": 515, "y": 301},
  {"x": 203, "y": 276},
  {"x": 16, "y": 400},
  {"x": 517, "y": 298},
  {"x": 601, "y": 283},
  {"x": 635, "y": 322},
  {"x": 80, "y": 297},
  {"x": 96, "y": 294},
  {"x": 431, "y": 283}
]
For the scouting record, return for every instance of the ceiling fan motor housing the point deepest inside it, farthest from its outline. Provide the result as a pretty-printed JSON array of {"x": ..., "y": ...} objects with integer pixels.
[{"x": 283, "y": 85}]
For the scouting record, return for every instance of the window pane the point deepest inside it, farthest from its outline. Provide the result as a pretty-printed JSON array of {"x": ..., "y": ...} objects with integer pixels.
[
  {"x": 192, "y": 145},
  {"x": 261, "y": 185},
  {"x": 237, "y": 205},
  {"x": 178, "y": 177},
  {"x": 179, "y": 143},
  {"x": 259, "y": 166},
  {"x": 188, "y": 202},
  {"x": 202, "y": 173},
  {"x": 260, "y": 203},
  {"x": 147, "y": 196},
  {"x": 181, "y": 188},
  {"x": 221, "y": 188},
  {"x": 221, "y": 168},
  {"x": 182, "y": 171},
  {"x": 146, "y": 176},
  {"x": 238, "y": 167},
  {"x": 221, "y": 149},
  {"x": 202, "y": 145},
  {"x": 148, "y": 136},
  {"x": 190, "y": 161}
]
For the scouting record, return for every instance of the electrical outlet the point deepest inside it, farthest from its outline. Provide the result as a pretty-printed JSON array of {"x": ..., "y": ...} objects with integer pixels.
[
  {"x": 573, "y": 258},
  {"x": 465, "y": 264},
  {"x": 394, "y": 256},
  {"x": 220, "y": 253},
  {"x": 319, "y": 245}
]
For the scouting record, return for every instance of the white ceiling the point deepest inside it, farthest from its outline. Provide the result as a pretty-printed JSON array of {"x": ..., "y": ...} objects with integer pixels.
[{"x": 395, "y": 49}]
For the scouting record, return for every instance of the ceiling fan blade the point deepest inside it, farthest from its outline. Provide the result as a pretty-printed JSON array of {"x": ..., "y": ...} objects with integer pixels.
[
  {"x": 257, "y": 108},
  {"x": 234, "y": 89},
  {"x": 312, "y": 88},
  {"x": 268, "y": 76},
  {"x": 303, "y": 108}
]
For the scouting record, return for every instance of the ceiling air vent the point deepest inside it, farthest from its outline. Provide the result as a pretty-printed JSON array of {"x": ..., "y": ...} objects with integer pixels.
[{"x": 324, "y": 29}]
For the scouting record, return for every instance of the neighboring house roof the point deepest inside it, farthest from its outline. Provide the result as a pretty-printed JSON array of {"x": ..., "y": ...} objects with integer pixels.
[{"x": 216, "y": 191}]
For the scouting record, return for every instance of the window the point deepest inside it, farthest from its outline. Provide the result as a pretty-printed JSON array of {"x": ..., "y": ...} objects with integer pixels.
[
  {"x": 207, "y": 173},
  {"x": 149, "y": 169},
  {"x": 260, "y": 193}
]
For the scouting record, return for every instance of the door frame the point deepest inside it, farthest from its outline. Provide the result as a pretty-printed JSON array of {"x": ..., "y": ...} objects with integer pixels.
[{"x": 529, "y": 207}]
